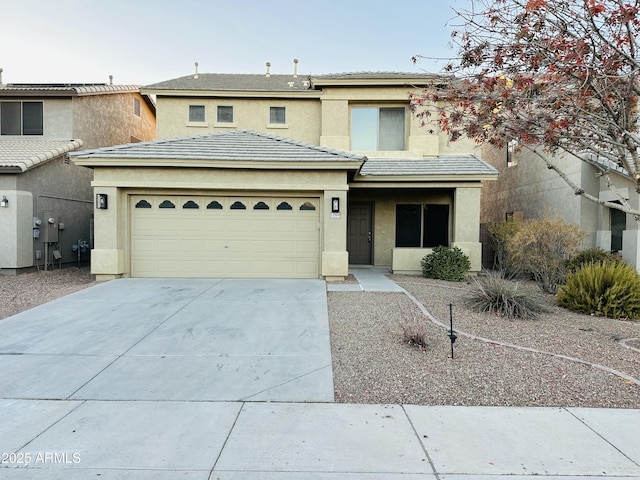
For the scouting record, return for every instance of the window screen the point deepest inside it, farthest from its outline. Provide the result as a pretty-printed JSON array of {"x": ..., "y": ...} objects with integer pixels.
[
  {"x": 196, "y": 113},
  {"x": 225, "y": 114},
  {"x": 32, "y": 118},
  {"x": 277, "y": 115},
  {"x": 10, "y": 118}
]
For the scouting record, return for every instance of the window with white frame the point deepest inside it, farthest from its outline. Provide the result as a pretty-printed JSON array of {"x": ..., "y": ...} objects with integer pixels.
[
  {"x": 224, "y": 114},
  {"x": 422, "y": 225},
  {"x": 512, "y": 153},
  {"x": 21, "y": 118},
  {"x": 277, "y": 115},
  {"x": 196, "y": 113},
  {"x": 378, "y": 128}
]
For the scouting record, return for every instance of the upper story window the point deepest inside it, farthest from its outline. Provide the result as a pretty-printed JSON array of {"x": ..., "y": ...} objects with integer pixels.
[
  {"x": 196, "y": 113},
  {"x": 512, "y": 153},
  {"x": 21, "y": 118},
  {"x": 277, "y": 115},
  {"x": 224, "y": 114},
  {"x": 377, "y": 129}
]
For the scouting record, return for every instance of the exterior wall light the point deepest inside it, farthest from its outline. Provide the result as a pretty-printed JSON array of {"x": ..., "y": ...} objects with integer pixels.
[
  {"x": 335, "y": 205},
  {"x": 4, "y": 203},
  {"x": 101, "y": 201}
]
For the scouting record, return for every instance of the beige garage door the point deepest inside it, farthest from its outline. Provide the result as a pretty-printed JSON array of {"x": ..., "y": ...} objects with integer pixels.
[{"x": 208, "y": 236}]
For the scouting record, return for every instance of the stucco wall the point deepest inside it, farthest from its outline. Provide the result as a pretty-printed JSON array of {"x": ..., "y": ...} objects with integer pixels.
[
  {"x": 104, "y": 120},
  {"x": 302, "y": 117},
  {"x": 322, "y": 121},
  {"x": 529, "y": 187},
  {"x": 111, "y": 256},
  {"x": 57, "y": 119},
  {"x": 384, "y": 214},
  {"x": 15, "y": 225},
  {"x": 62, "y": 190},
  {"x": 336, "y": 122}
]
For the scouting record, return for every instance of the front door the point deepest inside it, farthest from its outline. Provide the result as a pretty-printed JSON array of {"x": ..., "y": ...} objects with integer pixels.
[{"x": 360, "y": 233}]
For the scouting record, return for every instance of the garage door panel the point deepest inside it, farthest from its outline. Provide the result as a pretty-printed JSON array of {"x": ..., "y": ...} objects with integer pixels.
[
  {"x": 193, "y": 246},
  {"x": 203, "y": 237},
  {"x": 190, "y": 225},
  {"x": 306, "y": 247}
]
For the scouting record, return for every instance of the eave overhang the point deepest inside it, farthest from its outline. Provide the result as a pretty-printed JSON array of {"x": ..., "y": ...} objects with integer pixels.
[
  {"x": 297, "y": 94},
  {"x": 96, "y": 162}
]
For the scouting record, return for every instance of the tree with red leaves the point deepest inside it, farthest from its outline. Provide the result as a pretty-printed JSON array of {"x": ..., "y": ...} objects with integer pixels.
[{"x": 562, "y": 77}]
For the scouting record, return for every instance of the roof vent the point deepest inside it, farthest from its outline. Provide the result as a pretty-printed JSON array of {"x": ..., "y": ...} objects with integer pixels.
[
  {"x": 290, "y": 84},
  {"x": 110, "y": 79},
  {"x": 305, "y": 83},
  {"x": 268, "y": 67},
  {"x": 195, "y": 75},
  {"x": 0, "y": 76},
  {"x": 295, "y": 68}
]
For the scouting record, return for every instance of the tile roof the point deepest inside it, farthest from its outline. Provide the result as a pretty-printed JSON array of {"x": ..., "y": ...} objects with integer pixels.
[
  {"x": 73, "y": 89},
  {"x": 235, "y": 82},
  {"x": 19, "y": 155},
  {"x": 377, "y": 75},
  {"x": 444, "y": 165},
  {"x": 283, "y": 83},
  {"x": 233, "y": 145}
]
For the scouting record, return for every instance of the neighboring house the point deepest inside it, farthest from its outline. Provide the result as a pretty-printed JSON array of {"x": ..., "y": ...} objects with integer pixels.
[
  {"x": 284, "y": 176},
  {"x": 46, "y": 201},
  {"x": 526, "y": 189}
]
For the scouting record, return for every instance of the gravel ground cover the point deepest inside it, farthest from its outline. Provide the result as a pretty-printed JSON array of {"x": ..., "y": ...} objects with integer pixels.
[
  {"x": 373, "y": 364},
  {"x": 27, "y": 290}
]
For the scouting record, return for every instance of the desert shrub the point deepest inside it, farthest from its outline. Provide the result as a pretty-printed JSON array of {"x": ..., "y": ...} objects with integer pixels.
[
  {"x": 500, "y": 233},
  {"x": 496, "y": 294},
  {"x": 446, "y": 263},
  {"x": 590, "y": 255},
  {"x": 414, "y": 332},
  {"x": 610, "y": 289},
  {"x": 541, "y": 247}
]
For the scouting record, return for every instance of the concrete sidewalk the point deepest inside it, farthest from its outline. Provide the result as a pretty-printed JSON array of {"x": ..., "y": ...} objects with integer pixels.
[
  {"x": 286, "y": 441},
  {"x": 370, "y": 279}
]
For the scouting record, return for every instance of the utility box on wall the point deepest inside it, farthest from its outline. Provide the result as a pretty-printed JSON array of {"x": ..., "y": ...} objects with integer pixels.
[{"x": 49, "y": 227}]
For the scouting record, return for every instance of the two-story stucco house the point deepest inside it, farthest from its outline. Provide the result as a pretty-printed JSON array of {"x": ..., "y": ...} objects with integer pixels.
[
  {"x": 46, "y": 200},
  {"x": 268, "y": 175},
  {"x": 526, "y": 189}
]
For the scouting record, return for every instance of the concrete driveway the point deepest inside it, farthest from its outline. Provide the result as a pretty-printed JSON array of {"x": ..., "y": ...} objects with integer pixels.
[{"x": 173, "y": 339}]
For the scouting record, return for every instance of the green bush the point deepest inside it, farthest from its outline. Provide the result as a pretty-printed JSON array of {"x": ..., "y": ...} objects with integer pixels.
[
  {"x": 590, "y": 255},
  {"x": 610, "y": 289},
  {"x": 446, "y": 263},
  {"x": 496, "y": 294}
]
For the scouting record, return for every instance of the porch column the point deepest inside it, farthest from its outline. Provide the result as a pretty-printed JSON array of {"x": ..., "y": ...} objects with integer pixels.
[
  {"x": 466, "y": 224},
  {"x": 335, "y": 258},
  {"x": 107, "y": 257}
]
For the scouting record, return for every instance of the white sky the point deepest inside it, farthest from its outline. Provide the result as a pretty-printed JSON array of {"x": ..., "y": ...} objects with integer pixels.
[{"x": 147, "y": 41}]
